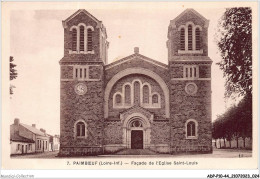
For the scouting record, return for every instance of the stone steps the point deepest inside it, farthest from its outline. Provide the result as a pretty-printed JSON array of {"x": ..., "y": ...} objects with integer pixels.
[{"x": 136, "y": 152}]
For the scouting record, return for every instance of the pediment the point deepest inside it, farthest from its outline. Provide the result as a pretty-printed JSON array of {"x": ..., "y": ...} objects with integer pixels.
[
  {"x": 189, "y": 12},
  {"x": 64, "y": 23},
  {"x": 136, "y": 110},
  {"x": 139, "y": 57}
]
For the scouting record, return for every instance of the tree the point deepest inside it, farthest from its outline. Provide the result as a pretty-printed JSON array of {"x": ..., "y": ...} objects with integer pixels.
[
  {"x": 245, "y": 117},
  {"x": 234, "y": 40},
  {"x": 13, "y": 73},
  {"x": 236, "y": 122}
]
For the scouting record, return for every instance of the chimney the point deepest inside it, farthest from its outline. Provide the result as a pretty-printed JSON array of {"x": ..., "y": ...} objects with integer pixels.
[
  {"x": 136, "y": 50},
  {"x": 16, "y": 121},
  {"x": 34, "y": 125},
  {"x": 42, "y": 130}
]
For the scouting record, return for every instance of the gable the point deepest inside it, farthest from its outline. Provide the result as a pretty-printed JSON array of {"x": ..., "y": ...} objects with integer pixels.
[
  {"x": 136, "y": 61},
  {"x": 136, "y": 57},
  {"x": 136, "y": 109},
  {"x": 189, "y": 15},
  {"x": 81, "y": 15}
]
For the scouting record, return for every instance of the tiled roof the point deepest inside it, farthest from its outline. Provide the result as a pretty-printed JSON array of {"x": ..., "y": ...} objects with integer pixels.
[
  {"x": 33, "y": 129},
  {"x": 19, "y": 138}
]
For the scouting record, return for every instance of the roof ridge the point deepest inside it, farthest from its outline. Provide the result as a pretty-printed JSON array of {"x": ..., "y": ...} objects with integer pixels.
[{"x": 32, "y": 129}]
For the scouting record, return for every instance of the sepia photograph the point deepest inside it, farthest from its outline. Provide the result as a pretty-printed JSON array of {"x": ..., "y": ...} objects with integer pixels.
[{"x": 130, "y": 85}]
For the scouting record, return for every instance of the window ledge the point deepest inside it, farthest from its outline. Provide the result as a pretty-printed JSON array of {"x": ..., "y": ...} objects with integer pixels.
[
  {"x": 86, "y": 79},
  {"x": 191, "y": 78},
  {"x": 191, "y": 137},
  {"x": 80, "y": 137},
  {"x": 190, "y": 51},
  {"x": 81, "y": 52},
  {"x": 155, "y": 105},
  {"x": 118, "y": 106}
]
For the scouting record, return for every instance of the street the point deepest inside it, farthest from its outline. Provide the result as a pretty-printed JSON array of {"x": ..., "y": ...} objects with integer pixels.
[
  {"x": 44, "y": 155},
  {"x": 217, "y": 153}
]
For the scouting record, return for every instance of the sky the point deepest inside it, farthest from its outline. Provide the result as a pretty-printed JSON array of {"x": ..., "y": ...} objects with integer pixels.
[{"x": 37, "y": 40}]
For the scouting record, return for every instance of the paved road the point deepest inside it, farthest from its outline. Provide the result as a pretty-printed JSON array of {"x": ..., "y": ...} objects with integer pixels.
[
  {"x": 38, "y": 155},
  {"x": 221, "y": 153},
  {"x": 217, "y": 153}
]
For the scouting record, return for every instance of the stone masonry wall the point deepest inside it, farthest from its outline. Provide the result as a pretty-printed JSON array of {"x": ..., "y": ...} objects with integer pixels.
[
  {"x": 160, "y": 132},
  {"x": 204, "y": 71},
  {"x": 66, "y": 72},
  {"x": 87, "y": 107},
  {"x": 113, "y": 132},
  {"x": 184, "y": 107},
  {"x": 177, "y": 71}
]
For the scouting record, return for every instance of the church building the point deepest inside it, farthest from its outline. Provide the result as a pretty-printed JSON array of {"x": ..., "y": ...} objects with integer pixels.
[{"x": 135, "y": 102}]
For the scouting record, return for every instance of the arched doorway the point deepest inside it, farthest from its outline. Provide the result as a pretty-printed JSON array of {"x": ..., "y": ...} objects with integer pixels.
[
  {"x": 137, "y": 137},
  {"x": 136, "y": 131}
]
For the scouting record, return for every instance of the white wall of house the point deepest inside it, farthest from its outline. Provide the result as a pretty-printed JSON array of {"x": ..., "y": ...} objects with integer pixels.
[
  {"x": 42, "y": 144},
  {"x": 56, "y": 143},
  {"x": 20, "y": 147},
  {"x": 51, "y": 146}
]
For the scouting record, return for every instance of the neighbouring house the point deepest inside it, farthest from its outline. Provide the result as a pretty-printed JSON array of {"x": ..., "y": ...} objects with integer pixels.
[
  {"x": 21, "y": 145},
  {"x": 27, "y": 139},
  {"x": 56, "y": 142},
  {"x": 50, "y": 142}
]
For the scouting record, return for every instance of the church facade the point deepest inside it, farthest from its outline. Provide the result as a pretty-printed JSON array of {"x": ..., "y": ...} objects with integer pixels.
[{"x": 135, "y": 102}]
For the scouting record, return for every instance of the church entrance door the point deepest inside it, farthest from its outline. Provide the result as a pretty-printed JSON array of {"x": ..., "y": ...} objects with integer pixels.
[{"x": 137, "y": 139}]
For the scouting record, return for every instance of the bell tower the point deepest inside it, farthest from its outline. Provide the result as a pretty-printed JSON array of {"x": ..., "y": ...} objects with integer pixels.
[
  {"x": 190, "y": 89},
  {"x": 81, "y": 84}
]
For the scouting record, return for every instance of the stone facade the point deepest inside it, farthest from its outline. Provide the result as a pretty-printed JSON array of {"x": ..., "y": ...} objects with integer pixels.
[{"x": 135, "y": 102}]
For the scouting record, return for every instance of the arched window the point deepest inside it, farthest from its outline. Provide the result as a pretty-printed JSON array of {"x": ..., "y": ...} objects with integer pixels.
[
  {"x": 90, "y": 43},
  {"x": 155, "y": 99},
  {"x": 81, "y": 38},
  {"x": 74, "y": 39},
  {"x": 182, "y": 39},
  {"x": 197, "y": 32},
  {"x": 80, "y": 129},
  {"x": 146, "y": 94},
  {"x": 127, "y": 94},
  {"x": 189, "y": 37},
  {"x": 118, "y": 99},
  {"x": 191, "y": 129},
  {"x": 136, "y": 93}
]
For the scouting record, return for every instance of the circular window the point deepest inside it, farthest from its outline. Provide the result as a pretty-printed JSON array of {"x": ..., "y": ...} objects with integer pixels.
[
  {"x": 191, "y": 88},
  {"x": 80, "y": 89}
]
